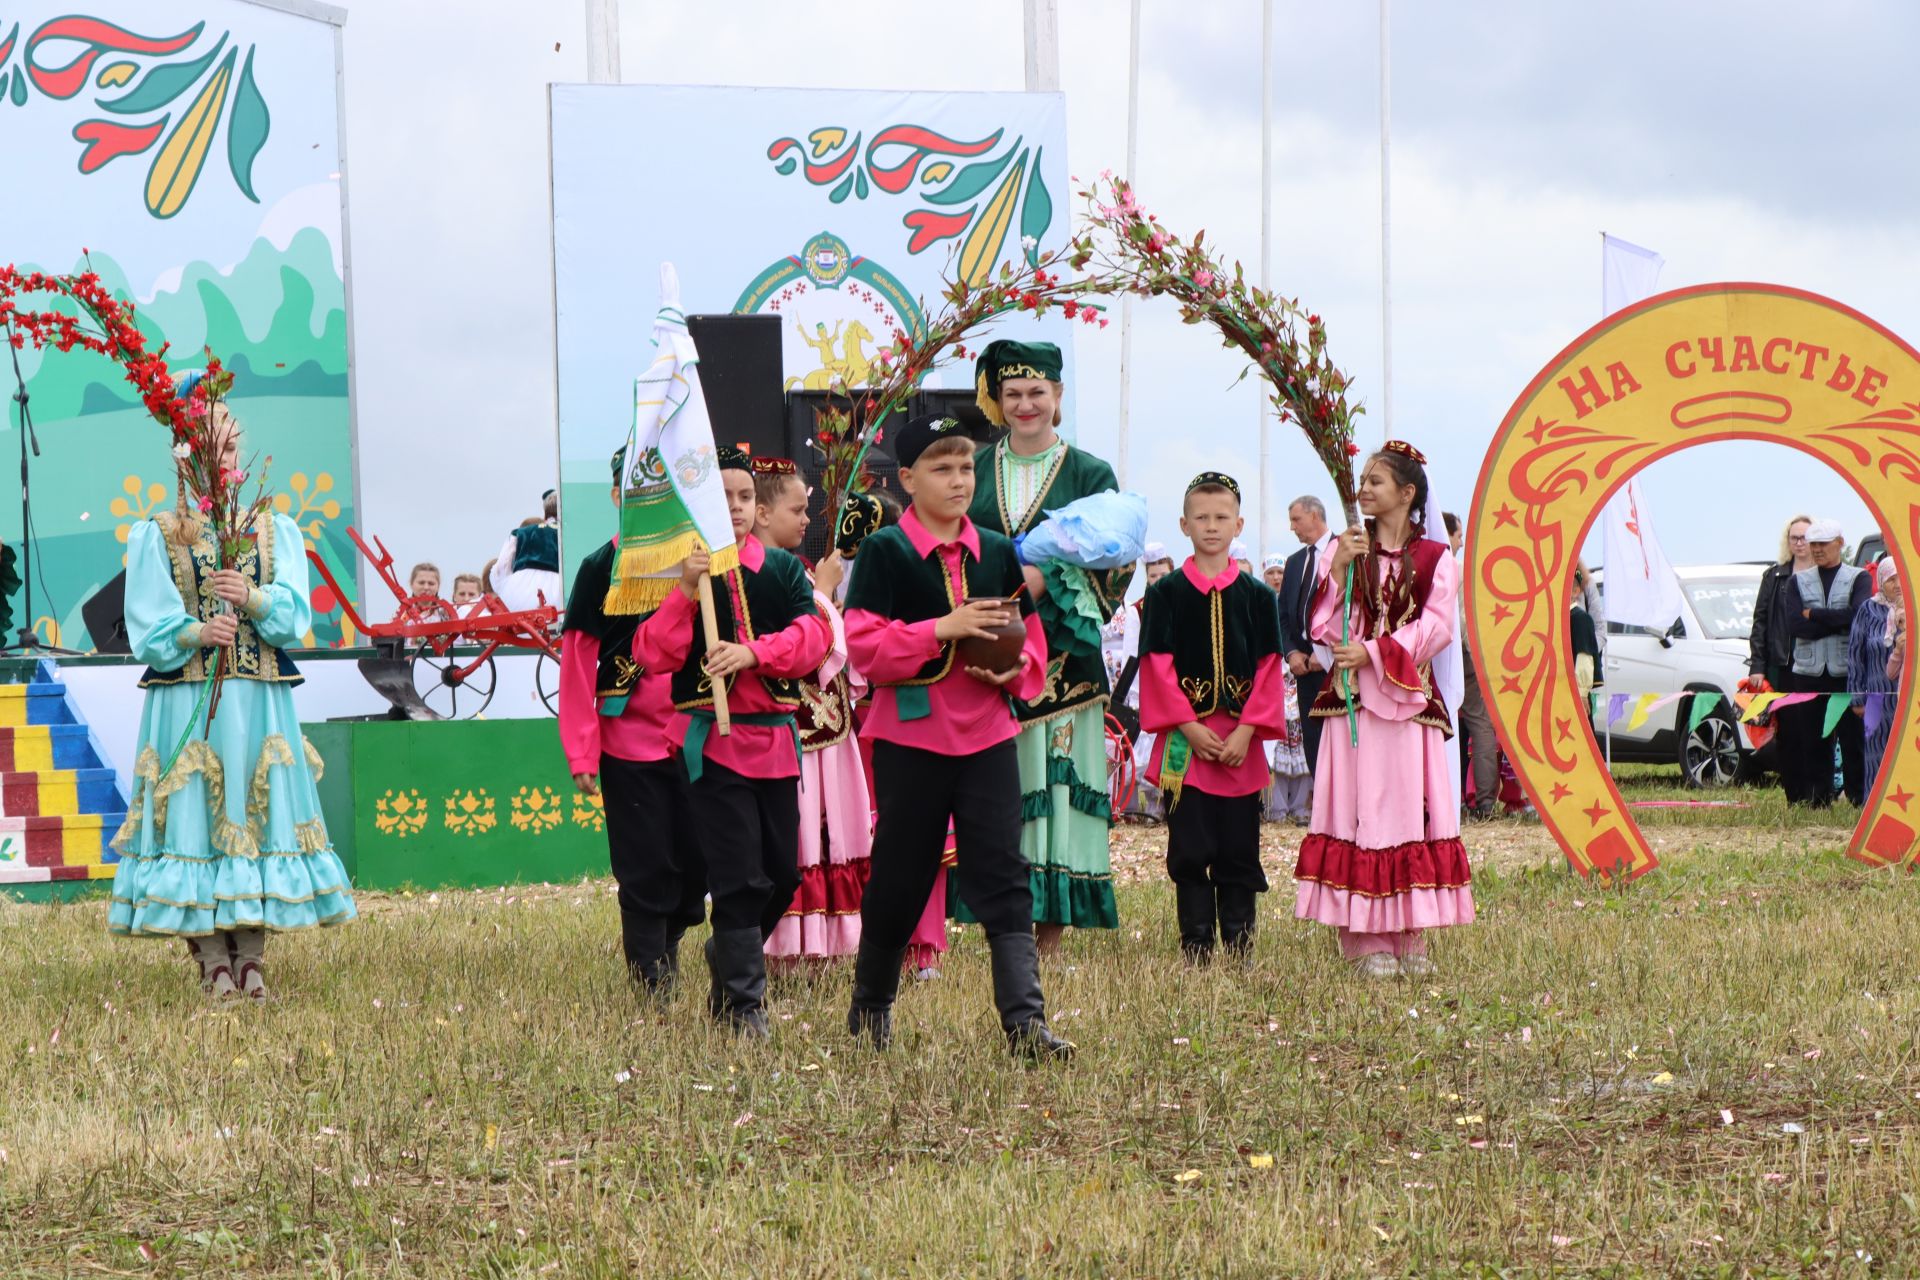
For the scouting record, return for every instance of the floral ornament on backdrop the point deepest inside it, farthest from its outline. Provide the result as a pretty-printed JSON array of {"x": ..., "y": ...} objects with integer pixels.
[
  {"x": 953, "y": 175},
  {"x": 143, "y": 82}
]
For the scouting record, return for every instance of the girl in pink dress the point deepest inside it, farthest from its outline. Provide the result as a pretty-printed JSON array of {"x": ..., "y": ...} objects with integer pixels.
[{"x": 1383, "y": 861}]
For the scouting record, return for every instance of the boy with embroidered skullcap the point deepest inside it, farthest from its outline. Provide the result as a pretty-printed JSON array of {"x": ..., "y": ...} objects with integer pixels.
[
  {"x": 1211, "y": 687},
  {"x": 943, "y": 733},
  {"x": 744, "y": 786},
  {"x": 613, "y": 728}
]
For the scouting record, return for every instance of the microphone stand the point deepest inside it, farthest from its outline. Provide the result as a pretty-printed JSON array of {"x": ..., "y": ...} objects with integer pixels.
[{"x": 27, "y": 642}]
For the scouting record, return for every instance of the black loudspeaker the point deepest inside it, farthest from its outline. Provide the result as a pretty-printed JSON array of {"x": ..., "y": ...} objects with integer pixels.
[
  {"x": 740, "y": 372},
  {"x": 105, "y": 615}
]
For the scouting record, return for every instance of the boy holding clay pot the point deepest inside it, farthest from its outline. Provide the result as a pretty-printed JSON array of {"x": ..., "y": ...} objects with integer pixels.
[
  {"x": 939, "y": 621},
  {"x": 1211, "y": 689}
]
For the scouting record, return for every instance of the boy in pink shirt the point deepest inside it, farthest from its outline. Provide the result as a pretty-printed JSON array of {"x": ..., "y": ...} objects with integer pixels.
[
  {"x": 943, "y": 734},
  {"x": 613, "y": 727},
  {"x": 744, "y": 787},
  {"x": 1210, "y": 668}
]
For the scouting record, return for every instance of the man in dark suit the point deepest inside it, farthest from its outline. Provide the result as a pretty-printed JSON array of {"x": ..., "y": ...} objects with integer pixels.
[{"x": 1309, "y": 663}]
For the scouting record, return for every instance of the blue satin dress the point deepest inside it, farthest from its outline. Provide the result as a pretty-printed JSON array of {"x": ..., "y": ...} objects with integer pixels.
[{"x": 232, "y": 837}]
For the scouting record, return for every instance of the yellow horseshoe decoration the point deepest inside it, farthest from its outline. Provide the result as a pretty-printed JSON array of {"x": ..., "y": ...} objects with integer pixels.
[{"x": 1716, "y": 362}]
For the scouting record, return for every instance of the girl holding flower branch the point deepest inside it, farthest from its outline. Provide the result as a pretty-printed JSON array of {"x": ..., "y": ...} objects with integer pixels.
[{"x": 225, "y": 843}]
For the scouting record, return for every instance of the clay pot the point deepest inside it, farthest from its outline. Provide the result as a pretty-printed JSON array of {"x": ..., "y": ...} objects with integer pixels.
[{"x": 999, "y": 655}]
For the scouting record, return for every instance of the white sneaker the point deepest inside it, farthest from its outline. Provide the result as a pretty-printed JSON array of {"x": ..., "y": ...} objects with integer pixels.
[
  {"x": 927, "y": 974},
  {"x": 1377, "y": 965},
  {"x": 1418, "y": 967}
]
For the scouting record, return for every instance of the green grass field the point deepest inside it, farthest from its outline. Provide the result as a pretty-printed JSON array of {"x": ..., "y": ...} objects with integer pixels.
[{"x": 1709, "y": 1072}]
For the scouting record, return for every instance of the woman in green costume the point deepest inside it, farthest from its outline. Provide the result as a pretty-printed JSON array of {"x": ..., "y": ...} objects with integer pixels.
[
  {"x": 228, "y": 844},
  {"x": 1062, "y": 744}
]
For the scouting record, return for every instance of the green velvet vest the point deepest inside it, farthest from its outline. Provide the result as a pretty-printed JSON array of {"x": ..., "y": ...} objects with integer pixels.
[
  {"x": 893, "y": 580},
  {"x": 618, "y": 673},
  {"x": 1217, "y": 638},
  {"x": 248, "y": 657},
  {"x": 775, "y": 596},
  {"x": 1076, "y": 673}
]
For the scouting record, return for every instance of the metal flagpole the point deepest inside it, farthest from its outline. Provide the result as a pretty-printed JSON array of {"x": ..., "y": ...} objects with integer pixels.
[
  {"x": 1266, "y": 261},
  {"x": 1126, "y": 301},
  {"x": 1386, "y": 219}
]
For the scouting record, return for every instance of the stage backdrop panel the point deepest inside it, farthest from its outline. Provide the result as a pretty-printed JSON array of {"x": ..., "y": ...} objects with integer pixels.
[
  {"x": 193, "y": 147},
  {"x": 838, "y": 211}
]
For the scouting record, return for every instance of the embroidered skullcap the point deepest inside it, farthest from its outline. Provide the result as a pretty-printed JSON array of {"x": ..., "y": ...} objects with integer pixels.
[
  {"x": 774, "y": 467},
  {"x": 1005, "y": 358},
  {"x": 1274, "y": 561},
  {"x": 619, "y": 464},
  {"x": 1824, "y": 530},
  {"x": 1220, "y": 478},
  {"x": 1237, "y": 551},
  {"x": 860, "y": 516},
  {"x": 732, "y": 458},
  {"x": 1405, "y": 450},
  {"x": 1155, "y": 552},
  {"x": 913, "y": 439}
]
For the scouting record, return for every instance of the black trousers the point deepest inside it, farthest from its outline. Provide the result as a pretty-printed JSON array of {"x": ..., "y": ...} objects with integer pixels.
[
  {"x": 1308, "y": 687},
  {"x": 750, "y": 834},
  {"x": 653, "y": 840},
  {"x": 916, "y": 792},
  {"x": 1215, "y": 840},
  {"x": 1806, "y": 755}
]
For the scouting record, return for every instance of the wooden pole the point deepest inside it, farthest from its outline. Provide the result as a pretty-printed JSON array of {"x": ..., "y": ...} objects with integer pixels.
[{"x": 721, "y": 719}]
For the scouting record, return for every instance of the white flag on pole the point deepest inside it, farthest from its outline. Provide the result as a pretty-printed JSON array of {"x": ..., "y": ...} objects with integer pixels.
[
  {"x": 1642, "y": 589},
  {"x": 1628, "y": 273}
]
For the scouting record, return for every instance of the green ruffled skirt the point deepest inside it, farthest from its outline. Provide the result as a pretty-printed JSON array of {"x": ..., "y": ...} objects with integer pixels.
[
  {"x": 233, "y": 837},
  {"x": 1065, "y": 813}
]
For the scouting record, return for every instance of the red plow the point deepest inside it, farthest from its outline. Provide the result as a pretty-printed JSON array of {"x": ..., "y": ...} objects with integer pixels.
[{"x": 418, "y": 670}]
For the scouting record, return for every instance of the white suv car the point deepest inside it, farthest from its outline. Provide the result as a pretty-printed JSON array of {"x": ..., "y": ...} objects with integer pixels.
[{"x": 1704, "y": 651}]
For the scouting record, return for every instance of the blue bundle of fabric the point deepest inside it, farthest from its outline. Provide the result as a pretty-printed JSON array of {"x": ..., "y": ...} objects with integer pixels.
[{"x": 1102, "y": 531}]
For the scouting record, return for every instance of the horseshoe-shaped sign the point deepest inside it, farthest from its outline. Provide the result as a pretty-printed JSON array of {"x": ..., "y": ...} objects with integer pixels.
[{"x": 1695, "y": 366}]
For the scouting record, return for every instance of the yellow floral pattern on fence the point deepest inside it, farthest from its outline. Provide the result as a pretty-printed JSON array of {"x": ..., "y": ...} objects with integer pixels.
[
  {"x": 536, "y": 810},
  {"x": 590, "y": 812},
  {"x": 142, "y": 500},
  {"x": 400, "y": 814},
  {"x": 470, "y": 813}
]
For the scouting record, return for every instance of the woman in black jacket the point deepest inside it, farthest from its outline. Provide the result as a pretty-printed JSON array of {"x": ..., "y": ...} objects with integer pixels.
[{"x": 1769, "y": 646}]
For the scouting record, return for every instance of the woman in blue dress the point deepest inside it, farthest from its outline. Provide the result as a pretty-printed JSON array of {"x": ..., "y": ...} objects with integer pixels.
[
  {"x": 229, "y": 844},
  {"x": 1876, "y": 652}
]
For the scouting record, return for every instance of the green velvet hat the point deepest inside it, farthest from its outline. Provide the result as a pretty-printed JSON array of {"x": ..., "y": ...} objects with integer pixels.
[{"x": 1005, "y": 359}]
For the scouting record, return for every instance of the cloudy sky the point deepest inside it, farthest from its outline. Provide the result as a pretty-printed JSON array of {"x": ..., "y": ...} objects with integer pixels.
[{"x": 1752, "y": 141}]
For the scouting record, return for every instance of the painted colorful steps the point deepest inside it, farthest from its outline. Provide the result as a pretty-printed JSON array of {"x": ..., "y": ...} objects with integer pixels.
[
  {"x": 39, "y": 703},
  {"x": 59, "y": 792},
  {"x": 59, "y": 802},
  {"x": 37, "y": 748},
  {"x": 73, "y": 847}
]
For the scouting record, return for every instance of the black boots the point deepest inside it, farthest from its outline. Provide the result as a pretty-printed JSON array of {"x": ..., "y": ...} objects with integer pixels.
[
  {"x": 1016, "y": 994},
  {"x": 1193, "y": 908},
  {"x": 739, "y": 985},
  {"x": 1196, "y": 906},
  {"x": 876, "y": 980},
  {"x": 1238, "y": 909},
  {"x": 643, "y": 939}
]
